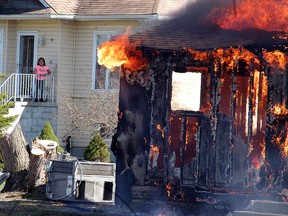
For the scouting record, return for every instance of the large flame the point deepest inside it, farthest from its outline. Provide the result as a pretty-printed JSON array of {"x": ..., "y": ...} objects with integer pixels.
[
  {"x": 269, "y": 15},
  {"x": 279, "y": 109},
  {"x": 120, "y": 51},
  {"x": 276, "y": 59}
]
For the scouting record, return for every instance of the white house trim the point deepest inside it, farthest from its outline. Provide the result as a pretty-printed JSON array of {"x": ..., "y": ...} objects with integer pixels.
[
  {"x": 77, "y": 18},
  {"x": 44, "y": 3}
]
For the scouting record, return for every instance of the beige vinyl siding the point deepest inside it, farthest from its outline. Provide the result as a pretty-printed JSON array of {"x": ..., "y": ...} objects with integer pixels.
[
  {"x": 47, "y": 29},
  {"x": 65, "y": 75},
  {"x": 11, "y": 47},
  {"x": 84, "y": 51},
  {"x": 3, "y": 46},
  {"x": 82, "y": 87}
]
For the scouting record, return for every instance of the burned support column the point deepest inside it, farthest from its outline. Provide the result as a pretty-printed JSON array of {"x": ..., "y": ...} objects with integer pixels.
[
  {"x": 183, "y": 143},
  {"x": 232, "y": 116},
  {"x": 250, "y": 122},
  {"x": 271, "y": 151},
  {"x": 215, "y": 99},
  {"x": 160, "y": 108}
]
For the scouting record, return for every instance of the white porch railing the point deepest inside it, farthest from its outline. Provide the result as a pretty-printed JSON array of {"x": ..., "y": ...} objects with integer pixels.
[{"x": 23, "y": 86}]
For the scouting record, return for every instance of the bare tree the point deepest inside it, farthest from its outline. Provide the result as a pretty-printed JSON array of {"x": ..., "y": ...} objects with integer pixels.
[{"x": 94, "y": 112}]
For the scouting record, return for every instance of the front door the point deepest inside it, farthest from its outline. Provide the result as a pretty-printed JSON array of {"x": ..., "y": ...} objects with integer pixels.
[
  {"x": 27, "y": 50},
  {"x": 27, "y": 45}
]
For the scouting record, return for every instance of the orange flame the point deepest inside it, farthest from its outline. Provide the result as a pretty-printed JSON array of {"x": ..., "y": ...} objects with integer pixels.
[
  {"x": 160, "y": 129},
  {"x": 227, "y": 56},
  {"x": 276, "y": 59},
  {"x": 120, "y": 51},
  {"x": 279, "y": 109},
  {"x": 168, "y": 188},
  {"x": 269, "y": 15},
  {"x": 154, "y": 150}
]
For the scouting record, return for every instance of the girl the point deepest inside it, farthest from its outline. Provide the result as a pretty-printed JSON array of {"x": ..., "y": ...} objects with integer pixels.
[{"x": 41, "y": 71}]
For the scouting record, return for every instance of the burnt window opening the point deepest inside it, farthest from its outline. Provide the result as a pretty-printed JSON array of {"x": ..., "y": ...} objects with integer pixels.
[{"x": 186, "y": 91}]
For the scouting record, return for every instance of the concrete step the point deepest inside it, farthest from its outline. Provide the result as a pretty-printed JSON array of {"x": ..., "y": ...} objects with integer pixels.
[{"x": 16, "y": 110}]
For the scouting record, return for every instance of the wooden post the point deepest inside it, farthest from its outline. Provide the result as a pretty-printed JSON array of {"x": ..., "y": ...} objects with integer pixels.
[{"x": 234, "y": 86}]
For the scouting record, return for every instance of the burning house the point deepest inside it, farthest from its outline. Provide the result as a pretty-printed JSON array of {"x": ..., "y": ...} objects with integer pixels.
[{"x": 203, "y": 100}]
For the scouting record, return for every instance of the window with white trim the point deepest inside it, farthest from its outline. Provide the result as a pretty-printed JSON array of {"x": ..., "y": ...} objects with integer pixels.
[
  {"x": 1, "y": 50},
  {"x": 186, "y": 91},
  {"x": 102, "y": 77}
]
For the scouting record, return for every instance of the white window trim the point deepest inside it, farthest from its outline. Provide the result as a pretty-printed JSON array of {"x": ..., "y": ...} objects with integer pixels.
[
  {"x": 94, "y": 65},
  {"x": 1, "y": 50}
]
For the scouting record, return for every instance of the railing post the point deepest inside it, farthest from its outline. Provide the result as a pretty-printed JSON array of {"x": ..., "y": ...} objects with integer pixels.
[{"x": 15, "y": 87}]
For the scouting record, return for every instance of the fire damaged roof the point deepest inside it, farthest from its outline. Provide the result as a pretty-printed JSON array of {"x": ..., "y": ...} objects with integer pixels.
[{"x": 193, "y": 30}]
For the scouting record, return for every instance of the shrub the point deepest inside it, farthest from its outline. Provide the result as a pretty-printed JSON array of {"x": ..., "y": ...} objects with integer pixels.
[
  {"x": 47, "y": 133},
  {"x": 97, "y": 150}
]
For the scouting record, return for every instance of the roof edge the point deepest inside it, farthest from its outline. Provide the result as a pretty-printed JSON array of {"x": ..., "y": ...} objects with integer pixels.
[
  {"x": 114, "y": 17},
  {"x": 75, "y": 17},
  {"x": 44, "y": 3}
]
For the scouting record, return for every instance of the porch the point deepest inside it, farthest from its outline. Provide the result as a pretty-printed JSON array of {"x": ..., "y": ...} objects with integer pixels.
[{"x": 22, "y": 87}]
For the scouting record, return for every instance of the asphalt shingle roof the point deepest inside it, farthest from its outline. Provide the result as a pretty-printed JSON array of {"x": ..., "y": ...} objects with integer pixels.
[
  {"x": 84, "y": 7},
  {"x": 22, "y": 7}
]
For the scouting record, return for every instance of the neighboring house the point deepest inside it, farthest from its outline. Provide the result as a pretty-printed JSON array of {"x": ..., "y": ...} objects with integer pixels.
[{"x": 67, "y": 33}]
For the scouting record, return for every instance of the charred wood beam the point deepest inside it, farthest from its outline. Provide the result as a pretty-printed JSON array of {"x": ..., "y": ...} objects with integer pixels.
[
  {"x": 198, "y": 140},
  {"x": 234, "y": 86},
  {"x": 168, "y": 96},
  {"x": 215, "y": 99},
  {"x": 182, "y": 145},
  {"x": 186, "y": 113},
  {"x": 250, "y": 119}
]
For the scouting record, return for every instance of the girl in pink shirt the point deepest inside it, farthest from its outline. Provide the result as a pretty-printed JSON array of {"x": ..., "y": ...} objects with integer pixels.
[{"x": 41, "y": 71}]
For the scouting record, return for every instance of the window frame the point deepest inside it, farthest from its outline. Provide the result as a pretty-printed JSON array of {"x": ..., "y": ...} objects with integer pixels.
[
  {"x": 196, "y": 85},
  {"x": 95, "y": 59}
]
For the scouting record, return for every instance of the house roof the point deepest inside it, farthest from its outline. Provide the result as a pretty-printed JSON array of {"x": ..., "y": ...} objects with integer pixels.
[
  {"x": 191, "y": 30},
  {"x": 22, "y": 7},
  {"x": 88, "y": 7}
]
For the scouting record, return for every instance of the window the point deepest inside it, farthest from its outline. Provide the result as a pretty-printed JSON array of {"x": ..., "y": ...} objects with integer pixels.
[
  {"x": 102, "y": 77},
  {"x": 1, "y": 50},
  {"x": 186, "y": 89}
]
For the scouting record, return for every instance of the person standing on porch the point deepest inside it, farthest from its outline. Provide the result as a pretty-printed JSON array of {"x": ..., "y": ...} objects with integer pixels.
[{"x": 41, "y": 71}]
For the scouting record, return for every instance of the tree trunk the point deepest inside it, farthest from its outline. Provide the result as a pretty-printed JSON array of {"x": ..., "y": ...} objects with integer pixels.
[
  {"x": 42, "y": 151},
  {"x": 16, "y": 159}
]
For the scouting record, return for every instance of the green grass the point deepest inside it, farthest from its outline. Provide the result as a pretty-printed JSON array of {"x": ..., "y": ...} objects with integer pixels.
[{"x": 2, "y": 185}]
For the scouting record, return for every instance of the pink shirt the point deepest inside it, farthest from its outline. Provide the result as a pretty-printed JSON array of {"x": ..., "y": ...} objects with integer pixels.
[{"x": 41, "y": 72}]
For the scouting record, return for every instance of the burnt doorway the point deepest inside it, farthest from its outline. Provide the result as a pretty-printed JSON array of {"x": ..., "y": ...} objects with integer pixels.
[{"x": 183, "y": 147}]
